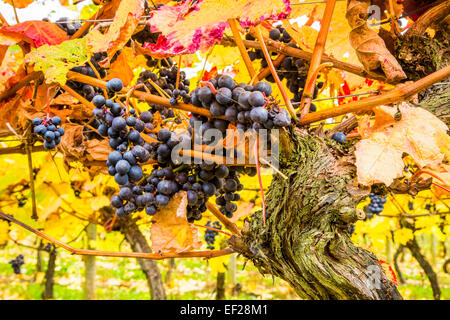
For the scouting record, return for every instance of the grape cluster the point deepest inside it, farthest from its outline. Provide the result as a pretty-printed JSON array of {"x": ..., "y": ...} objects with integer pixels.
[
  {"x": 21, "y": 200},
  {"x": 249, "y": 107},
  {"x": 166, "y": 80},
  {"x": 124, "y": 129},
  {"x": 276, "y": 34},
  {"x": 155, "y": 190},
  {"x": 146, "y": 36},
  {"x": 375, "y": 206},
  {"x": 49, "y": 130},
  {"x": 294, "y": 70},
  {"x": 210, "y": 235},
  {"x": 200, "y": 181},
  {"x": 16, "y": 263}
]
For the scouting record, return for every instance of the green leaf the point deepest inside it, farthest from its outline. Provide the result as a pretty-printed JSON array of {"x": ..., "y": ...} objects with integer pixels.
[{"x": 56, "y": 61}]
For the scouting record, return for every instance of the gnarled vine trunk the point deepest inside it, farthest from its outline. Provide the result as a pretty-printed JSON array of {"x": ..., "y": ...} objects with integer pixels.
[{"x": 305, "y": 240}]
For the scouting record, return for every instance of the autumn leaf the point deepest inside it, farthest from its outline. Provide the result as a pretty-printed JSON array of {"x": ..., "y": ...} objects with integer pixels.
[
  {"x": 20, "y": 4},
  {"x": 97, "y": 150},
  {"x": 187, "y": 28},
  {"x": 379, "y": 154},
  {"x": 8, "y": 67},
  {"x": 55, "y": 61},
  {"x": 441, "y": 176},
  {"x": 369, "y": 46},
  {"x": 119, "y": 33},
  {"x": 402, "y": 236},
  {"x": 171, "y": 231},
  {"x": 218, "y": 265},
  {"x": 124, "y": 65},
  {"x": 36, "y": 32},
  {"x": 4, "y": 231}
]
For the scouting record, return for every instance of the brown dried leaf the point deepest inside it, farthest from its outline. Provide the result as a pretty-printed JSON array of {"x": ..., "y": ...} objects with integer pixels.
[
  {"x": 171, "y": 231},
  {"x": 72, "y": 142},
  {"x": 97, "y": 150},
  {"x": 370, "y": 48}
]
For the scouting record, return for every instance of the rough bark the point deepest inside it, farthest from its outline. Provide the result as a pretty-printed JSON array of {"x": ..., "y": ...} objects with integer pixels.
[
  {"x": 305, "y": 240},
  {"x": 49, "y": 276},
  {"x": 413, "y": 246},
  {"x": 436, "y": 99},
  {"x": 138, "y": 243}
]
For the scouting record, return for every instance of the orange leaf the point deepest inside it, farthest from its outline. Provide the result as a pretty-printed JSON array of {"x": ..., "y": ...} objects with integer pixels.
[
  {"x": 441, "y": 175},
  {"x": 124, "y": 65},
  {"x": 171, "y": 231},
  {"x": 379, "y": 154},
  {"x": 20, "y": 4},
  {"x": 36, "y": 32},
  {"x": 125, "y": 22}
]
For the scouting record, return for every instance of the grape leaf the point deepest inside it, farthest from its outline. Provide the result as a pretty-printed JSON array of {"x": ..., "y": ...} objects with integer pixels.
[
  {"x": 125, "y": 22},
  {"x": 171, "y": 231},
  {"x": 124, "y": 65},
  {"x": 379, "y": 154},
  {"x": 187, "y": 28},
  {"x": 36, "y": 32},
  {"x": 369, "y": 46},
  {"x": 56, "y": 61}
]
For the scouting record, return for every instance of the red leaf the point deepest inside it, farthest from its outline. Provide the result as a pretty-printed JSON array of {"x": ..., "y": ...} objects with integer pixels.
[{"x": 37, "y": 32}]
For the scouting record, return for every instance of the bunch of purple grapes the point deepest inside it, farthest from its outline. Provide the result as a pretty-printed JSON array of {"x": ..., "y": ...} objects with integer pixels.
[
  {"x": 375, "y": 206},
  {"x": 166, "y": 80},
  {"x": 169, "y": 176},
  {"x": 210, "y": 235},
  {"x": 49, "y": 130},
  {"x": 86, "y": 90},
  {"x": 124, "y": 129},
  {"x": 249, "y": 107},
  {"x": 17, "y": 263}
]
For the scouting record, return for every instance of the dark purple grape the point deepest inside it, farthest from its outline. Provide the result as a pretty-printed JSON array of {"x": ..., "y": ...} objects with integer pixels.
[
  {"x": 256, "y": 99},
  {"x": 223, "y": 96},
  {"x": 275, "y": 34},
  {"x": 264, "y": 87},
  {"x": 114, "y": 85},
  {"x": 227, "y": 82}
]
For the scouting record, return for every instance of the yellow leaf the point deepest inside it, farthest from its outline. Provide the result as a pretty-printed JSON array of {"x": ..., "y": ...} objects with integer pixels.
[
  {"x": 218, "y": 264},
  {"x": 180, "y": 24},
  {"x": 4, "y": 231},
  {"x": 99, "y": 202},
  {"x": 402, "y": 236},
  {"x": 123, "y": 67}
]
